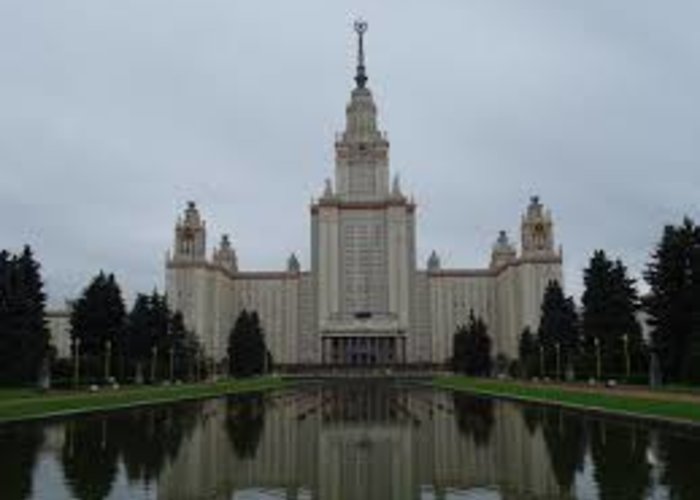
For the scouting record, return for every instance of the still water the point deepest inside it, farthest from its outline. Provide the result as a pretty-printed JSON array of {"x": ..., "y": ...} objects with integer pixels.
[{"x": 350, "y": 441}]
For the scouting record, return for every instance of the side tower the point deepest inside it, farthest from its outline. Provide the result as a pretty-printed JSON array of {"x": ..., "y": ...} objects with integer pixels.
[
  {"x": 363, "y": 244},
  {"x": 540, "y": 261},
  {"x": 190, "y": 236},
  {"x": 537, "y": 232},
  {"x": 202, "y": 289},
  {"x": 521, "y": 281}
]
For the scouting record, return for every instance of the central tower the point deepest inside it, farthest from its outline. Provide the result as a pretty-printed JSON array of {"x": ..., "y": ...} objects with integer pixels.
[
  {"x": 363, "y": 242},
  {"x": 361, "y": 151}
]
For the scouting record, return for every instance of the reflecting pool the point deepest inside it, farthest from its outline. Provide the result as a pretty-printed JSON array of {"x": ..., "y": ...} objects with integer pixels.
[{"x": 358, "y": 440}]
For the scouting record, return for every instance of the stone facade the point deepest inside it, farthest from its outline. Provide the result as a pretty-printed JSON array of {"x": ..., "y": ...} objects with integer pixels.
[
  {"x": 58, "y": 323},
  {"x": 364, "y": 301}
]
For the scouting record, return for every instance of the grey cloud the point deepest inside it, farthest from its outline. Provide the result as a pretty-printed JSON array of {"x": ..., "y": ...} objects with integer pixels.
[{"x": 113, "y": 114}]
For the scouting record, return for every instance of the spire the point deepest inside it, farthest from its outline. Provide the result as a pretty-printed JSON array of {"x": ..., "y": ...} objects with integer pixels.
[{"x": 360, "y": 77}]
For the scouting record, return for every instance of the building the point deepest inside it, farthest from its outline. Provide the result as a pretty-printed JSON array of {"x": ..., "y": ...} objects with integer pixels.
[
  {"x": 58, "y": 323},
  {"x": 364, "y": 300}
]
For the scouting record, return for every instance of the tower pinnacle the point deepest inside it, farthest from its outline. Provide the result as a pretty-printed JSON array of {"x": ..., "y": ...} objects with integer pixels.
[{"x": 361, "y": 76}]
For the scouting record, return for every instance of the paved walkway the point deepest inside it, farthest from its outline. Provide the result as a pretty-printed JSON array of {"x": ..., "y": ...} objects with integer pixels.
[{"x": 634, "y": 391}]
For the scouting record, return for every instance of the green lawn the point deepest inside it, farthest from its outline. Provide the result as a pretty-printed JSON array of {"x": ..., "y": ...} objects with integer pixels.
[
  {"x": 18, "y": 404},
  {"x": 6, "y": 394},
  {"x": 615, "y": 403}
]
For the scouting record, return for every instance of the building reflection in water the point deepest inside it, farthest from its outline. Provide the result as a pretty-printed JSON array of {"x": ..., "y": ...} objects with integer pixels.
[
  {"x": 363, "y": 441},
  {"x": 350, "y": 441}
]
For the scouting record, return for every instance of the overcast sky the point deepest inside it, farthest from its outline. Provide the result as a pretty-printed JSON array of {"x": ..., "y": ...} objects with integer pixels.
[{"x": 114, "y": 113}]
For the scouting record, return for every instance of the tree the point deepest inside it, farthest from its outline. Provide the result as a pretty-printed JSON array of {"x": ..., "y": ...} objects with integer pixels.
[
  {"x": 694, "y": 351},
  {"x": 558, "y": 331},
  {"x": 153, "y": 329},
  {"x": 472, "y": 348},
  {"x": 673, "y": 275},
  {"x": 24, "y": 337},
  {"x": 140, "y": 337},
  {"x": 610, "y": 303},
  {"x": 185, "y": 347},
  {"x": 459, "y": 349},
  {"x": 247, "y": 352},
  {"x": 527, "y": 352},
  {"x": 98, "y": 318}
]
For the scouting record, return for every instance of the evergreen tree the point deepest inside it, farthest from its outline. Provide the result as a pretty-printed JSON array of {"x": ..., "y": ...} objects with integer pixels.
[
  {"x": 693, "y": 373},
  {"x": 98, "y": 321},
  {"x": 185, "y": 347},
  {"x": 246, "y": 348},
  {"x": 610, "y": 303},
  {"x": 140, "y": 335},
  {"x": 154, "y": 330},
  {"x": 472, "y": 348},
  {"x": 527, "y": 353},
  {"x": 24, "y": 337},
  {"x": 160, "y": 324},
  {"x": 673, "y": 303},
  {"x": 558, "y": 330},
  {"x": 459, "y": 349}
]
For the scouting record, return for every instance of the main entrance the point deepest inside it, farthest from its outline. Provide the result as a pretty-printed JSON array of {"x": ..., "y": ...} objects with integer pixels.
[{"x": 364, "y": 350}]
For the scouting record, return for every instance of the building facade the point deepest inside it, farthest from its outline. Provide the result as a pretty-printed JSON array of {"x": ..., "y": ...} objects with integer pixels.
[{"x": 364, "y": 300}]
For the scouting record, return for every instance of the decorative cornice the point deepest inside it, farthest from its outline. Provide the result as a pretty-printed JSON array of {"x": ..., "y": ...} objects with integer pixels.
[
  {"x": 363, "y": 205},
  {"x": 493, "y": 272},
  {"x": 266, "y": 275},
  {"x": 461, "y": 273},
  {"x": 240, "y": 275}
]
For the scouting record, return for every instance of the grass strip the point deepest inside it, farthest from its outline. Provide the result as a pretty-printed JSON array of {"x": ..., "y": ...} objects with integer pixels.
[
  {"x": 658, "y": 408},
  {"x": 41, "y": 405}
]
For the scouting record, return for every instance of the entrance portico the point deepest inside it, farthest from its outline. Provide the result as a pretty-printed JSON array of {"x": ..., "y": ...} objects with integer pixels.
[{"x": 363, "y": 350}]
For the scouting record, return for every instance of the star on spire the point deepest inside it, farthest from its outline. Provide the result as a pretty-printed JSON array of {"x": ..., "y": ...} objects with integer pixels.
[{"x": 361, "y": 76}]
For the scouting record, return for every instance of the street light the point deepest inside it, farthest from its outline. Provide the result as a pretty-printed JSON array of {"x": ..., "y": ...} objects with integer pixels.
[
  {"x": 625, "y": 339},
  {"x": 596, "y": 341}
]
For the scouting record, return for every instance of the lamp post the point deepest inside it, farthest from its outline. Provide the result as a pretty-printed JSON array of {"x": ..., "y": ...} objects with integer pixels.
[
  {"x": 76, "y": 362},
  {"x": 597, "y": 355},
  {"x": 108, "y": 357},
  {"x": 628, "y": 368}
]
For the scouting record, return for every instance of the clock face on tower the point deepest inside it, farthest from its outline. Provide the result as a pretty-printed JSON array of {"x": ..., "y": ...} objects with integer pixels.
[{"x": 538, "y": 233}]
